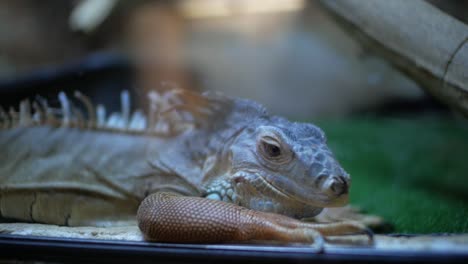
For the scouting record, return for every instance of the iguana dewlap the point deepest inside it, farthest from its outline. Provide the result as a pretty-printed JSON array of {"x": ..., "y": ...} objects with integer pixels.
[{"x": 259, "y": 171}]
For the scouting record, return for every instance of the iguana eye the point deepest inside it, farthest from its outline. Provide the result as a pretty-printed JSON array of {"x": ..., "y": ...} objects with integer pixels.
[{"x": 271, "y": 150}]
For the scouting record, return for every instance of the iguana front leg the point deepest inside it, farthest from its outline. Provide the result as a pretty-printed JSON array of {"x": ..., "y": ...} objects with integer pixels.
[{"x": 167, "y": 217}]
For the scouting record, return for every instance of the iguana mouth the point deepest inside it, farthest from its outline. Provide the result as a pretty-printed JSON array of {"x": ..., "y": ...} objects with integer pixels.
[
  {"x": 283, "y": 193},
  {"x": 317, "y": 200}
]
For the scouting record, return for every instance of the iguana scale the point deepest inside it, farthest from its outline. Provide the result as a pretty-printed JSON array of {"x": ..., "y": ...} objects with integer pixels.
[{"x": 258, "y": 171}]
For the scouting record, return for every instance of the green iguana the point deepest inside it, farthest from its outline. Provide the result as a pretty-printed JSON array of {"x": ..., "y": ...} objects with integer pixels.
[{"x": 258, "y": 171}]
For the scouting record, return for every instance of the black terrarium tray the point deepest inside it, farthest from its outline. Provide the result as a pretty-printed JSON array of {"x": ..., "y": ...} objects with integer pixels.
[{"x": 88, "y": 250}]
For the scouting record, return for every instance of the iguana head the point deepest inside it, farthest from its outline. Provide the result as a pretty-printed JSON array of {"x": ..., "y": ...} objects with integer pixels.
[{"x": 284, "y": 167}]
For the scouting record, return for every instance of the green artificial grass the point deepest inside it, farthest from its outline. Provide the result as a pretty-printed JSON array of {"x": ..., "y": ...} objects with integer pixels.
[{"x": 411, "y": 171}]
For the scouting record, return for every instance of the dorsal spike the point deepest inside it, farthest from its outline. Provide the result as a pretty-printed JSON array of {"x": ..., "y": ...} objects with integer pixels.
[
  {"x": 126, "y": 108},
  {"x": 4, "y": 118},
  {"x": 78, "y": 118},
  {"x": 170, "y": 113},
  {"x": 91, "y": 112},
  {"x": 14, "y": 116},
  {"x": 48, "y": 111},
  {"x": 38, "y": 115},
  {"x": 115, "y": 121},
  {"x": 66, "y": 110},
  {"x": 153, "y": 112},
  {"x": 25, "y": 118},
  {"x": 138, "y": 121},
  {"x": 101, "y": 115}
]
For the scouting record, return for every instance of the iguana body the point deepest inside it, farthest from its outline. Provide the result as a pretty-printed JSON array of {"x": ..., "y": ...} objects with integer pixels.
[{"x": 67, "y": 170}]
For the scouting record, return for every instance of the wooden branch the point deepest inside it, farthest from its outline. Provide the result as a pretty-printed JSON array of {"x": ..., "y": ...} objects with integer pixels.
[{"x": 419, "y": 39}]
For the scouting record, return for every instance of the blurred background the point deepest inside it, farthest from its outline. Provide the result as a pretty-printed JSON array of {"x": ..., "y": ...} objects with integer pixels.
[
  {"x": 405, "y": 151},
  {"x": 286, "y": 54}
]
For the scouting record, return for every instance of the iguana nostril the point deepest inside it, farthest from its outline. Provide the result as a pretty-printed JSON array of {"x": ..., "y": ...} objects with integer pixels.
[
  {"x": 320, "y": 179},
  {"x": 339, "y": 186}
]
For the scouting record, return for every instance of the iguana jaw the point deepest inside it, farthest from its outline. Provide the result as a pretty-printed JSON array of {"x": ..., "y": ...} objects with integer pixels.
[
  {"x": 256, "y": 191},
  {"x": 296, "y": 192}
]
